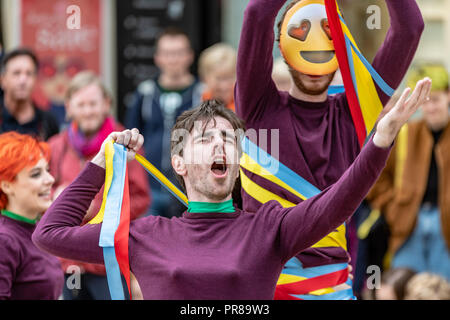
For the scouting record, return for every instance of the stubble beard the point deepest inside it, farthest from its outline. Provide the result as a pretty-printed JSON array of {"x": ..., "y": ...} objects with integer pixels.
[
  {"x": 307, "y": 90},
  {"x": 201, "y": 185}
]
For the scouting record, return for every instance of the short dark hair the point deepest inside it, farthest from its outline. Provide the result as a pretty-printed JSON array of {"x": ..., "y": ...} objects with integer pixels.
[
  {"x": 205, "y": 112},
  {"x": 172, "y": 32},
  {"x": 280, "y": 23},
  {"x": 17, "y": 53}
]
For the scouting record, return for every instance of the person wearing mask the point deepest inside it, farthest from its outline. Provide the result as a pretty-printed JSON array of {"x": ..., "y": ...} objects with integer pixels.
[
  {"x": 216, "y": 251},
  {"x": 26, "y": 272},
  {"x": 319, "y": 140},
  {"x": 88, "y": 105},
  {"x": 18, "y": 73},
  {"x": 158, "y": 102},
  {"x": 413, "y": 192}
]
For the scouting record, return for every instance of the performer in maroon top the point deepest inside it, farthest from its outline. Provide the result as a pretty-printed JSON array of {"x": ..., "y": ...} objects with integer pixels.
[
  {"x": 318, "y": 140},
  {"x": 26, "y": 273}
]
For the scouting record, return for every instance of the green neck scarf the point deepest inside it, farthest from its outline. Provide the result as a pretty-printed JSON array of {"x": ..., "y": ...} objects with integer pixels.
[
  {"x": 17, "y": 217},
  {"x": 205, "y": 207}
]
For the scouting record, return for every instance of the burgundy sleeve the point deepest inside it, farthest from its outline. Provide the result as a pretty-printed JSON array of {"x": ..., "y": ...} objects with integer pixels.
[
  {"x": 402, "y": 39},
  {"x": 59, "y": 231},
  {"x": 255, "y": 59},
  {"x": 9, "y": 261},
  {"x": 311, "y": 220}
]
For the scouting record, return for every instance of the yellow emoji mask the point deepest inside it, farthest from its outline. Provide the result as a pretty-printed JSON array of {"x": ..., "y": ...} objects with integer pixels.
[{"x": 305, "y": 39}]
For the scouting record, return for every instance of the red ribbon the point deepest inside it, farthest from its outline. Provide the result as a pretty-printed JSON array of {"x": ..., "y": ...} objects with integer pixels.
[
  {"x": 122, "y": 234},
  {"x": 285, "y": 291},
  {"x": 341, "y": 54}
]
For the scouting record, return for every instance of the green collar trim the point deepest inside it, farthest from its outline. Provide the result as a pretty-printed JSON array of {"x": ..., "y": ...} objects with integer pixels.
[
  {"x": 206, "y": 207},
  {"x": 18, "y": 218}
]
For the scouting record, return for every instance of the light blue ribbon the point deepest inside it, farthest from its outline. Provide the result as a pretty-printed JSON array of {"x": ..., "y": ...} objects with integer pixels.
[{"x": 336, "y": 89}]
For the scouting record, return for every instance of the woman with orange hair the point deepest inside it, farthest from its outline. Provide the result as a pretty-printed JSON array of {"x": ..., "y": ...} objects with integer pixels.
[{"x": 25, "y": 184}]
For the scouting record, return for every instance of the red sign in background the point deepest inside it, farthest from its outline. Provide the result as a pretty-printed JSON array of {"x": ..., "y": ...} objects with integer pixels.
[{"x": 63, "y": 49}]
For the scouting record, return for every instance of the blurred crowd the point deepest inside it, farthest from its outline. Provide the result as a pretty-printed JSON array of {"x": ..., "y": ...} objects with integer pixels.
[{"x": 403, "y": 227}]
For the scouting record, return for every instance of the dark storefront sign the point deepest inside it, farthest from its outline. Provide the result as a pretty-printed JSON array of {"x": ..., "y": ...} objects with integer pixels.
[{"x": 138, "y": 24}]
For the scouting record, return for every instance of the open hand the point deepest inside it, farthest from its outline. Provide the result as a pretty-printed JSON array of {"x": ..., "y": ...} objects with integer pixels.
[{"x": 389, "y": 126}]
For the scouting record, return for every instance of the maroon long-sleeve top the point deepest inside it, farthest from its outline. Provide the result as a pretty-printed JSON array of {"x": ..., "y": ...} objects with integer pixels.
[{"x": 213, "y": 255}]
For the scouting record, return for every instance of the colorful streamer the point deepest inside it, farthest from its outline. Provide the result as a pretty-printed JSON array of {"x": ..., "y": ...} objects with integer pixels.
[
  {"x": 295, "y": 282},
  {"x": 357, "y": 74},
  {"x": 298, "y": 283},
  {"x": 259, "y": 162},
  {"x": 114, "y": 215},
  {"x": 162, "y": 179}
]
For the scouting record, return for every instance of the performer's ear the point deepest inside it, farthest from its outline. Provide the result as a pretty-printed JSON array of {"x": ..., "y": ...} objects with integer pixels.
[
  {"x": 6, "y": 188},
  {"x": 179, "y": 165}
]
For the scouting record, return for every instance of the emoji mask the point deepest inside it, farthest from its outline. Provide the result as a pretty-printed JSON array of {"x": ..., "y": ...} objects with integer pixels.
[{"x": 305, "y": 39}]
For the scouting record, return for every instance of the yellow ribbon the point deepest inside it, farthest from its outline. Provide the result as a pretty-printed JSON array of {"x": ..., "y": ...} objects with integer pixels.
[
  {"x": 158, "y": 175},
  {"x": 109, "y": 155}
]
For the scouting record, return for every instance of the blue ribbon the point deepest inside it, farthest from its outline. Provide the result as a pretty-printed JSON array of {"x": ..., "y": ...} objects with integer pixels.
[
  {"x": 346, "y": 294},
  {"x": 336, "y": 89}
]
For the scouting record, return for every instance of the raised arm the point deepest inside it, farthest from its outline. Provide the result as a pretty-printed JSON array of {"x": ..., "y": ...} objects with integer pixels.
[
  {"x": 311, "y": 220},
  {"x": 402, "y": 39},
  {"x": 383, "y": 190},
  {"x": 255, "y": 57}
]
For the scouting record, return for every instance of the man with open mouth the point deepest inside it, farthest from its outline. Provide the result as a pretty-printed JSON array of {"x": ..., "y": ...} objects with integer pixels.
[{"x": 216, "y": 251}]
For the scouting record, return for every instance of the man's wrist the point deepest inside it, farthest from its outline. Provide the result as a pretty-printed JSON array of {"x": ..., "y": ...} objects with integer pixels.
[
  {"x": 382, "y": 142},
  {"x": 99, "y": 160}
]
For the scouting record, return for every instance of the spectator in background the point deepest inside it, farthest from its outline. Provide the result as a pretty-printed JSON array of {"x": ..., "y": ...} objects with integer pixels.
[
  {"x": 18, "y": 74},
  {"x": 158, "y": 102},
  {"x": 393, "y": 284},
  {"x": 281, "y": 75},
  {"x": 413, "y": 192},
  {"x": 88, "y": 105},
  {"x": 25, "y": 184},
  {"x": 217, "y": 70},
  {"x": 427, "y": 286}
]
